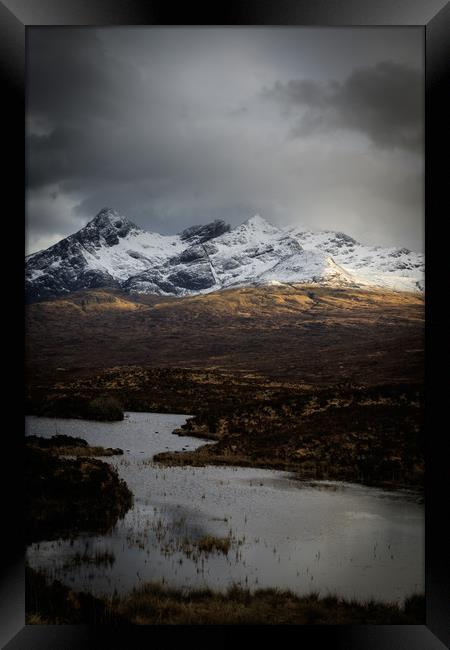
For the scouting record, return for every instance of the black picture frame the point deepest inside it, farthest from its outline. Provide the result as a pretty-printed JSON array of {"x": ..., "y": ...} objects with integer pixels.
[{"x": 434, "y": 17}]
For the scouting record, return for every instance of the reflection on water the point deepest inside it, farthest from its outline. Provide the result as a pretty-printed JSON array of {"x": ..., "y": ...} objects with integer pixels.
[{"x": 324, "y": 536}]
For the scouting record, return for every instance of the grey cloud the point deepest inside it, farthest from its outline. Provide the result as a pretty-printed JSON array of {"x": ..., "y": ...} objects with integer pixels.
[
  {"x": 169, "y": 127},
  {"x": 70, "y": 75},
  {"x": 383, "y": 101}
]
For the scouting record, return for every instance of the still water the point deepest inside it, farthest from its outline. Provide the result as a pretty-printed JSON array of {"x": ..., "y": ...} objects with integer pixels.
[{"x": 321, "y": 536}]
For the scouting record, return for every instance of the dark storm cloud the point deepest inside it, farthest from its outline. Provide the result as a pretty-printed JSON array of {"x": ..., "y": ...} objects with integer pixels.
[
  {"x": 70, "y": 75},
  {"x": 169, "y": 126},
  {"x": 384, "y": 102}
]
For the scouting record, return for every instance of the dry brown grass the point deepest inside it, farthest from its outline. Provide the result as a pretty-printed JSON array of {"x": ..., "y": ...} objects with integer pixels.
[
  {"x": 154, "y": 604},
  {"x": 213, "y": 544},
  {"x": 280, "y": 332}
]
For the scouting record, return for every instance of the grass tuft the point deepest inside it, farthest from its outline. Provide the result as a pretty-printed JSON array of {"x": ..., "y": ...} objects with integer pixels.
[{"x": 211, "y": 544}]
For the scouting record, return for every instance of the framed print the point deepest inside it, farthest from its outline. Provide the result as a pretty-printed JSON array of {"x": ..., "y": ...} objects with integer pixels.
[{"x": 234, "y": 322}]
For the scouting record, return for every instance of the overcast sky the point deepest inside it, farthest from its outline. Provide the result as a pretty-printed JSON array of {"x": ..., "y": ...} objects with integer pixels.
[{"x": 320, "y": 127}]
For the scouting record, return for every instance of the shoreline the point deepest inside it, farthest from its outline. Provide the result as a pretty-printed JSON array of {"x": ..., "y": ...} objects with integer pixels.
[
  {"x": 199, "y": 459},
  {"x": 205, "y": 456},
  {"x": 52, "y": 603}
]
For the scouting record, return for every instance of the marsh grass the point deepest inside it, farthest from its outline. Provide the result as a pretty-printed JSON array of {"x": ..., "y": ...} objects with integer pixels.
[
  {"x": 174, "y": 537},
  {"x": 211, "y": 544},
  {"x": 100, "y": 559},
  {"x": 156, "y": 604}
]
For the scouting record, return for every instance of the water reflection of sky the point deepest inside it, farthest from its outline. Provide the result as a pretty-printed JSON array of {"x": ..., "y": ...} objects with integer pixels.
[{"x": 325, "y": 536}]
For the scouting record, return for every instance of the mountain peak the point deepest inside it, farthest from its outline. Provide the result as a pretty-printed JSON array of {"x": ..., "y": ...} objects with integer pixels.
[
  {"x": 110, "y": 217},
  {"x": 258, "y": 223},
  {"x": 107, "y": 226},
  {"x": 106, "y": 212}
]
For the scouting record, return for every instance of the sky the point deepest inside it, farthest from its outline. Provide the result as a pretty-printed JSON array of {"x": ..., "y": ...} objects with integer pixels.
[{"x": 315, "y": 127}]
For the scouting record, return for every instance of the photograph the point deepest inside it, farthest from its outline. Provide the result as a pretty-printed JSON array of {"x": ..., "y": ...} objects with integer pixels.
[{"x": 225, "y": 325}]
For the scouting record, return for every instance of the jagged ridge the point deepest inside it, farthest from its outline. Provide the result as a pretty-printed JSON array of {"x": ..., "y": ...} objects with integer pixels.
[{"x": 112, "y": 251}]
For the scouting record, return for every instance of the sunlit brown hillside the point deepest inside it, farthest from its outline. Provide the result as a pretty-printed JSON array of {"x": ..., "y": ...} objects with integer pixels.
[{"x": 307, "y": 334}]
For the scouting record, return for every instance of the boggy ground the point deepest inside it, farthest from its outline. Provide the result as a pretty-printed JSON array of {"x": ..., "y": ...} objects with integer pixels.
[
  {"x": 65, "y": 496},
  {"x": 51, "y": 603},
  {"x": 70, "y": 446},
  {"x": 369, "y": 435},
  {"x": 103, "y": 408}
]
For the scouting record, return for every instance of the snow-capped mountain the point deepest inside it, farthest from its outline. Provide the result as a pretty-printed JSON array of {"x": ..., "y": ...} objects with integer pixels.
[{"x": 112, "y": 251}]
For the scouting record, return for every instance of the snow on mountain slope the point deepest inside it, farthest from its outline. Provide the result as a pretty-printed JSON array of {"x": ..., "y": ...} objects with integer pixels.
[
  {"x": 396, "y": 268},
  {"x": 309, "y": 266},
  {"x": 106, "y": 252},
  {"x": 136, "y": 252},
  {"x": 112, "y": 251},
  {"x": 243, "y": 254}
]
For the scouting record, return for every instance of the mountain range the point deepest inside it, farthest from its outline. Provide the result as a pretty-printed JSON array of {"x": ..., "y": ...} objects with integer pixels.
[{"x": 112, "y": 251}]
